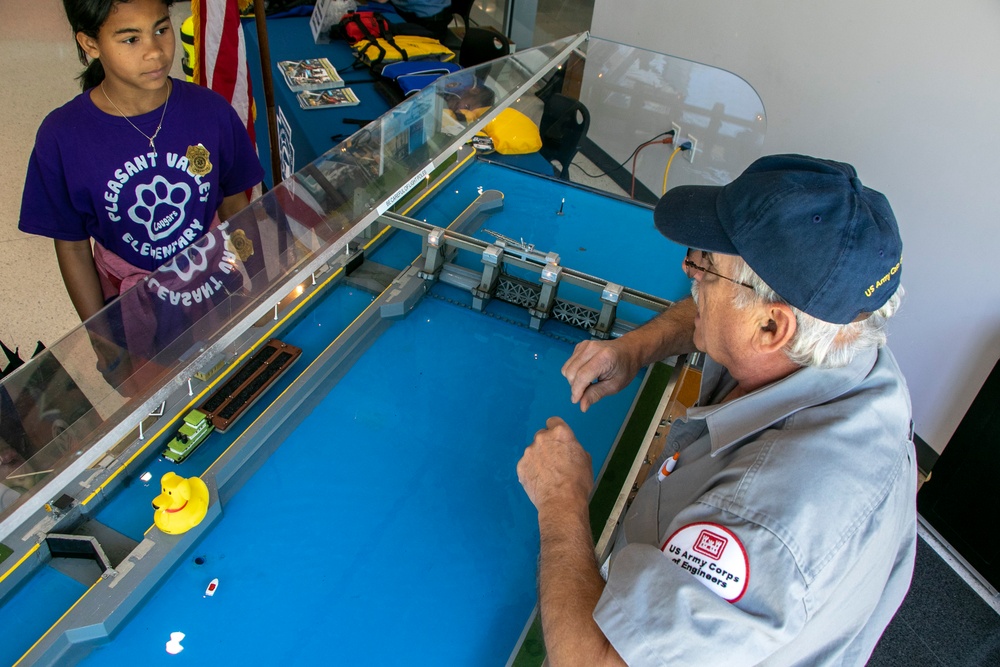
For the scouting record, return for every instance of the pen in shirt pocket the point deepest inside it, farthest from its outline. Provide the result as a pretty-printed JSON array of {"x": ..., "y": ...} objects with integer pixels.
[{"x": 667, "y": 467}]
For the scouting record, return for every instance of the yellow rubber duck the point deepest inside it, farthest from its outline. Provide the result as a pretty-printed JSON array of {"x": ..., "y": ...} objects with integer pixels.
[{"x": 181, "y": 505}]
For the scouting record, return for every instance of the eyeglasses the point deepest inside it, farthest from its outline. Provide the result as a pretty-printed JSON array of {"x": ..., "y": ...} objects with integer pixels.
[{"x": 690, "y": 265}]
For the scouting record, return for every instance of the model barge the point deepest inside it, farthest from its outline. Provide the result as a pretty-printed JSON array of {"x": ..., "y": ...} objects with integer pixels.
[{"x": 241, "y": 391}]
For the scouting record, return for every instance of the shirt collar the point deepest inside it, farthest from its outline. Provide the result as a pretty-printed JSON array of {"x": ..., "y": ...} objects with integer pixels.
[{"x": 732, "y": 422}]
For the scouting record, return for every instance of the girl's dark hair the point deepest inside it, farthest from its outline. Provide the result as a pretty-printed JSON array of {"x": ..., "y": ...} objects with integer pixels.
[{"x": 87, "y": 16}]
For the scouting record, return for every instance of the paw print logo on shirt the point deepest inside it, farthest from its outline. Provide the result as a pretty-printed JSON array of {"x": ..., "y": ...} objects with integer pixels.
[
  {"x": 193, "y": 261},
  {"x": 160, "y": 207}
]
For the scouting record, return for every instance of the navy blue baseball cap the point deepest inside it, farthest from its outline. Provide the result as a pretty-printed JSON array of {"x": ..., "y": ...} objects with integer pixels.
[{"x": 820, "y": 239}]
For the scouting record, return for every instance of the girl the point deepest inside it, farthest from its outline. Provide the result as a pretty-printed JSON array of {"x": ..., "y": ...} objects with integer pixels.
[{"x": 139, "y": 162}]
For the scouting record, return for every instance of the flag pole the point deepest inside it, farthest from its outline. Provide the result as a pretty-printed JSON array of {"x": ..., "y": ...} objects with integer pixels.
[{"x": 265, "y": 70}]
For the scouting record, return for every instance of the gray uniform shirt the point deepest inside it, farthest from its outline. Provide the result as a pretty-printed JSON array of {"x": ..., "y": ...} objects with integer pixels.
[{"x": 785, "y": 535}]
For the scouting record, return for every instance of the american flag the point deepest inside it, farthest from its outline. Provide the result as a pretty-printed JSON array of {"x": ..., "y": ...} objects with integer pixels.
[{"x": 221, "y": 54}]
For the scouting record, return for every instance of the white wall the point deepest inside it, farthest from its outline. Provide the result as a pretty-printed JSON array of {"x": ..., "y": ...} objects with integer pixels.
[{"x": 908, "y": 91}]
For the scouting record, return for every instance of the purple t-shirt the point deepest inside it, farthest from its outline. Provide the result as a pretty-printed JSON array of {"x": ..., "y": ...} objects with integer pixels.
[{"x": 93, "y": 175}]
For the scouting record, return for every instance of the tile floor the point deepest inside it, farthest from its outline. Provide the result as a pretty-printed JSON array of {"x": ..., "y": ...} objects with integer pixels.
[{"x": 40, "y": 64}]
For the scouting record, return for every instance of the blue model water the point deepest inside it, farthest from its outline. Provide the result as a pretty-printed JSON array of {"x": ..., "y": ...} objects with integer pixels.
[
  {"x": 130, "y": 513},
  {"x": 389, "y": 528},
  {"x": 605, "y": 237},
  {"x": 33, "y": 609}
]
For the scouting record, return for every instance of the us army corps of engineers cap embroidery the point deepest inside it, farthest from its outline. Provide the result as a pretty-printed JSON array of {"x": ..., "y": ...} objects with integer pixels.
[{"x": 714, "y": 555}]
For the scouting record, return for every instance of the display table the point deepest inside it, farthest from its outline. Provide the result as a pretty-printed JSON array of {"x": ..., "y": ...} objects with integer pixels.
[
  {"x": 372, "y": 489},
  {"x": 305, "y": 134}
]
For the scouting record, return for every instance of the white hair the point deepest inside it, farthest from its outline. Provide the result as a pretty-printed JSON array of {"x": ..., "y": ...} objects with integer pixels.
[{"x": 818, "y": 343}]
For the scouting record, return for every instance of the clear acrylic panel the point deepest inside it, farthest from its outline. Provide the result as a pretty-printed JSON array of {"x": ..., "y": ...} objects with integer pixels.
[
  {"x": 74, "y": 416},
  {"x": 626, "y": 100},
  {"x": 89, "y": 395}
]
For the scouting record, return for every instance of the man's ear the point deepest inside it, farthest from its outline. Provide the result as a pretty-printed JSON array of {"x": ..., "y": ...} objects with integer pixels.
[
  {"x": 777, "y": 327},
  {"x": 89, "y": 45}
]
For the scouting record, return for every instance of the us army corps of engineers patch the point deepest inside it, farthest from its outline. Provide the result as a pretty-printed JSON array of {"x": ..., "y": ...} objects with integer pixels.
[{"x": 714, "y": 555}]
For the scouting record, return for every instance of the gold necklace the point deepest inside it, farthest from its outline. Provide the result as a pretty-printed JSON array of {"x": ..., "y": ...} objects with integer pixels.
[{"x": 151, "y": 138}]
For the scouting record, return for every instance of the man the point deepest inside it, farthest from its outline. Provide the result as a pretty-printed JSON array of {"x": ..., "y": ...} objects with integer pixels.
[{"x": 786, "y": 533}]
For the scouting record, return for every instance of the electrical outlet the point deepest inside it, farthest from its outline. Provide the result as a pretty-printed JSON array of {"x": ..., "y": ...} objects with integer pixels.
[
  {"x": 689, "y": 154},
  {"x": 677, "y": 133}
]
